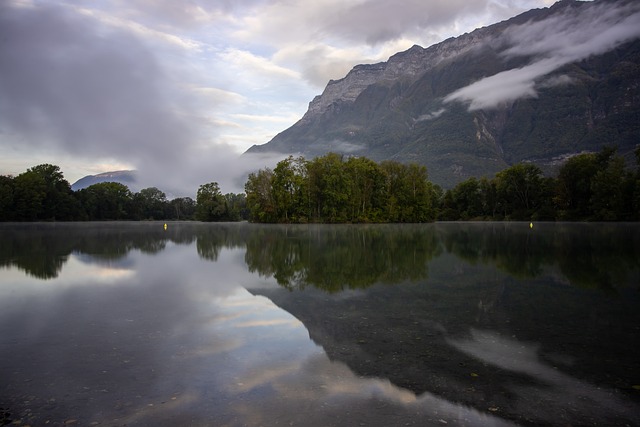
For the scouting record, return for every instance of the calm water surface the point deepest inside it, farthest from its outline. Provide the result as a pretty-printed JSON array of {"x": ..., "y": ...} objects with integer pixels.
[{"x": 238, "y": 324}]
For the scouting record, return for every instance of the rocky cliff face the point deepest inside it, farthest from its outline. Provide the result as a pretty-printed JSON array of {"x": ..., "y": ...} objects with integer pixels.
[
  {"x": 539, "y": 87},
  {"x": 408, "y": 66}
]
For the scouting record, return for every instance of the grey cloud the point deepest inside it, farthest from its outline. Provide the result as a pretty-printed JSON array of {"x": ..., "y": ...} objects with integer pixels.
[
  {"x": 184, "y": 13},
  {"x": 83, "y": 87},
  {"x": 578, "y": 34},
  {"x": 74, "y": 85},
  {"x": 377, "y": 21},
  {"x": 201, "y": 166},
  {"x": 318, "y": 68}
]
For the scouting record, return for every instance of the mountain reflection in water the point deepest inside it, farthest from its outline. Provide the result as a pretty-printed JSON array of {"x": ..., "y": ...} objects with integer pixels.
[{"x": 459, "y": 324}]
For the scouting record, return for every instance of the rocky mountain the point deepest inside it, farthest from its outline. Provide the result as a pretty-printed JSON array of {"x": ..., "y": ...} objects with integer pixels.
[
  {"x": 540, "y": 87},
  {"x": 126, "y": 177}
]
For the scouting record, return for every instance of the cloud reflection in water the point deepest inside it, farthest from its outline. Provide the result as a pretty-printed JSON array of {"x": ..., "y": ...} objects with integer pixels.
[
  {"x": 554, "y": 388},
  {"x": 167, "y": 337},
  {"x": 148, "y": 344}
]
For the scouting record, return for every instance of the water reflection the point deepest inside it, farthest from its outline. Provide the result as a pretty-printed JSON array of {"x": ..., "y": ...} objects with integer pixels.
[
  {"x": 582, "y": 402},
  {"x": 240, "y": 324},
  {"x": 42, "y": 250},
  {"x": 334, "y": 258},
  {"x": 588, "y": 255}
]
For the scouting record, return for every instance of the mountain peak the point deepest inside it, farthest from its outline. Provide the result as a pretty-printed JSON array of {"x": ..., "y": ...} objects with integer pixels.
[
  {"x": 126, "y": 177},
  {"x": 538, "y": 87}
]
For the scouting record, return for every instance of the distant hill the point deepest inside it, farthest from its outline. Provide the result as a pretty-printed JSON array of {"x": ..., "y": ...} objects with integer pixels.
[
  {"x": 126, "y": 177},
  {"x": 540, "y": 87}
]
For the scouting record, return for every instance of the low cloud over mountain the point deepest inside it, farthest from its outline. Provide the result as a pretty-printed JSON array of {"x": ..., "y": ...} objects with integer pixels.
[
  {"x": 572, "y": 35},
  {"x": 539, "y": 87}
]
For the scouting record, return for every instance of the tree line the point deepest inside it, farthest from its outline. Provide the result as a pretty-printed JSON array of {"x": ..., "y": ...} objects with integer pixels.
[
  {"x": 42, "y": 194},
  {"x": 332, "y": 189},
  {"x": 588, "y": 187},
  {"x": 339, "y": 189}
]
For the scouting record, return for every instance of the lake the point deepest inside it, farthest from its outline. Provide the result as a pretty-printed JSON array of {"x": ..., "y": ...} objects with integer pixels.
[{"x": 445, "y": 324}]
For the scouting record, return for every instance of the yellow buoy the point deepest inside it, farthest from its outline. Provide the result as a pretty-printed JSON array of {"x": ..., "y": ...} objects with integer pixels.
[
  {"x": 530, "y": 225},
  {"x": 165, "y": 226}
]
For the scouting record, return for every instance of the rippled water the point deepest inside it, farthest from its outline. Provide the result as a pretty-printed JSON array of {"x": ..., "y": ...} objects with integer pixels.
[{"x": 240, "y": 324}]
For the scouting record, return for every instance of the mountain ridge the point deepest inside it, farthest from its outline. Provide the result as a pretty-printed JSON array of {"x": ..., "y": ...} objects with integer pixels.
[
  {"x": 418, "y": 106},
  {"x": 126, "y": 177}
]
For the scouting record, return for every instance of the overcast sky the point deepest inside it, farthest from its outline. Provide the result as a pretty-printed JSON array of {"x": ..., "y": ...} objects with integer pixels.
[{"x": 178, "y": 89}]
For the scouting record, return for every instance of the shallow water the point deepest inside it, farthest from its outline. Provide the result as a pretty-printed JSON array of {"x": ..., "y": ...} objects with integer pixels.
[{"x": 241, "y": 324}]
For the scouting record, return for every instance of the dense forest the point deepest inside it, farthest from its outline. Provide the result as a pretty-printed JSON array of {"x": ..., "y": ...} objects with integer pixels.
[
  {"x": 588, "y": 187},
  {"x": 339, "y": 189},
  {"x": 42, "y": 194},
  {"x": 334, "y": 190}
]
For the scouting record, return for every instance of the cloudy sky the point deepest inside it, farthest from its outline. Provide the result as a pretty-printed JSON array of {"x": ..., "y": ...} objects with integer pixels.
[{"x": 179, "y": 89}]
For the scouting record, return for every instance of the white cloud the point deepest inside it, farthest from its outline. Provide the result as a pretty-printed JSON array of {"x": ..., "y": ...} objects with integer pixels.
[
  {"x": 578, "y": 34},
  {"x": 255, "y": 66},
  {"x": 216, "y": 95},
  {"x": 379, "y": 21},
  {"x": 140, "y": 29},
  {"x": 432, "y": 115},
  {"x": 179, "y": 89},
  {"x": 524, "y": 358},
  {"x": 503, "y": 87},
  {"x": 319, "y": 63},
  {"x": 265, "y": 118},
  {"x": 552, "y": 81}
]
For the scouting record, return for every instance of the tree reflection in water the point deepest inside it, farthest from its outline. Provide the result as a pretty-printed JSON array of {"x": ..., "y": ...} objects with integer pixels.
[
  {"x": 489, "y": 320},
  {"x": 337, "y": 257}
]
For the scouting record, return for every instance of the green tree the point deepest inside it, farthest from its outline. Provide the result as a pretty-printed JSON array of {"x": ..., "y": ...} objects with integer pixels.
[
  {"x": 489, "y": 196},
  {"x": 182, "y": 208},
  {"x": 330, "y": 188},
  {"x": 6, "y": 198},
  {"x": 594, "y": 186},
  {"x": 607, "y": 191},
  {"x": 409, "y": 193},
  {"x": 437, "y": 197},
  {"x": 368, "y": 190},
  {"x": 42, "y": 193},
  {"x": 546, "y": 210},
  {"x": 152, "y": 203},
  {"x": 448, "y": 207},
  {"x": 573, "y": 190},
  {"x": 260, "y": 200},
  {"x": 417, "y": 194},
  {"x": 210, "y": 203},
  {"x": 107, "y": 201},
  {"x": 289, "y": 187},
  {"x": 468, "y": 199},
  {"x": 394, "y": 176},
  {"x": 519, "y": 190},
  {"x": 29, "y": 197},
  {"x": 236, "y": 206}
]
